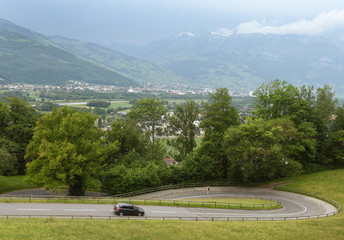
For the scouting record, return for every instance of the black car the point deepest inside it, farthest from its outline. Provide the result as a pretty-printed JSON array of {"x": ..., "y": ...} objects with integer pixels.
[{"x": 128, "y": 209}]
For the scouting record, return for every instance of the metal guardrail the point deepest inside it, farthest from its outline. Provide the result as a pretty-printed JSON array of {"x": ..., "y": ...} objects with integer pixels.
[{"x": 177, "y": 186}]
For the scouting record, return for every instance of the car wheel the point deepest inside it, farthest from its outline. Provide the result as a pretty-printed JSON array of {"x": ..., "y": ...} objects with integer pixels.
[
  {"x": 121, "y": 214},
  {"x": 140, "y": 214}
]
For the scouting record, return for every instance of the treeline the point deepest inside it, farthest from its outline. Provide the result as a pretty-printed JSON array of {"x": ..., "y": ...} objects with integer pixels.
[
  {"x": 290, "y": 131},
  {"x": 88, "y": 94}
]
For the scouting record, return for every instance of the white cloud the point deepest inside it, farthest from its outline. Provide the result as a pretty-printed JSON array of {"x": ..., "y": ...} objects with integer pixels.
[{"x": 323, "y": 23}]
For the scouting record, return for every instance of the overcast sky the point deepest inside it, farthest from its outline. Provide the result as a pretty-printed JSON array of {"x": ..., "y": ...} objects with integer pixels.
[{"x": 142, "y": 21}]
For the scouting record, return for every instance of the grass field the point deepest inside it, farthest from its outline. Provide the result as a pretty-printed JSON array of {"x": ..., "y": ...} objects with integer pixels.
[
  {"x": 12, "y": 183},
  {"x": 328, "y": 183}
]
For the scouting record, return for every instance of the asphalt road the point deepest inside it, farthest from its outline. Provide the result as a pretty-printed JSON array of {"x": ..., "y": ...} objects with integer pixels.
[{"x": 294, "y": 205}]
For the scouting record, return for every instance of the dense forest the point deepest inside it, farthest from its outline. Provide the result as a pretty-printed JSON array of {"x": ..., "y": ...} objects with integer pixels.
[{"x": 290, "y": 131}]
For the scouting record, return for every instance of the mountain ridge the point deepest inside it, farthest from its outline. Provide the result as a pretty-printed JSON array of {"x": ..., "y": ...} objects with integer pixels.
[{"x": 29, "y": 57}]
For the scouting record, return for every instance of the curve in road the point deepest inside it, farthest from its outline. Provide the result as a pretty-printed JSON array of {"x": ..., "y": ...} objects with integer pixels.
[{"x": 295, "y": 206}]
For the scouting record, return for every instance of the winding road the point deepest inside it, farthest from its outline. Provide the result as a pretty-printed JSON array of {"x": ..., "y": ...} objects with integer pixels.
[{"x": 294, "y": 206}]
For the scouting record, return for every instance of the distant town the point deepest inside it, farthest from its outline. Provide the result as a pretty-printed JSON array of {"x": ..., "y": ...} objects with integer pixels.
[{"x": 76, "y": 85}]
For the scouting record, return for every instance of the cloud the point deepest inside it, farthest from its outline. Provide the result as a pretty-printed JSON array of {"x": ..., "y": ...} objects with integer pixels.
[{"x": 324, "y": 23}]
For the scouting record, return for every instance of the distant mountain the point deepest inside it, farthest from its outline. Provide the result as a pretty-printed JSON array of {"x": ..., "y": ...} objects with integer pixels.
[
  {"x": 242, "y": 62},
  {"x": 140, "y": 71},
  {"x": 29, "y": 57}
]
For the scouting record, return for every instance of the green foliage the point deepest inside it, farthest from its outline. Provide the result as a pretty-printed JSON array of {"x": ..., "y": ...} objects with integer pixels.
[
  {"x": 338, "y": 123},
  {"x": 121, "y": 178},
  {"x": 325, "y": 104},
  {"x": 98, "y": 103},
  {"x": 310, "y": 114},
  {"x": 11, "y": 94},
  {"x": 17, "y": 121},
  {"x": 203, "y": 165},
  {"x": 262, "y": 150},
  {"x": 218, "y": 116},
  {"x": 182, "y": 126},
  {"x": 280, "y": 99},
  {"x": 46, "y": 106},
  {"x": 150, "y": 114},
  {"x": 66, "y": 149},
  {"x": 9, "y": 164}
]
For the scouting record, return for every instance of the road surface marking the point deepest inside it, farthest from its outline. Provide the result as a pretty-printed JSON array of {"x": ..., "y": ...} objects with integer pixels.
[
  {"x": 79, "y": 210},
  {"x": 33, "y": 209},
  {"x": 162, "y": 212}
]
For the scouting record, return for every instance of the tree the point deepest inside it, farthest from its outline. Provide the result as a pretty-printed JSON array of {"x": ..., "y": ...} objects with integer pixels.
[
  {"x": 66, "y": 149},
  {"x": 338, "y": 123},
  {"x": 183, "y": 127},
  {"x": 8, "y": 157},
  {"x": 279, "y": 99},
  {"x": 99, "y": 104},
  {"x": 262, "y": 150},
  {"x": 219, "y": 115},
  {"x": 282, "y": 100},
  {"x": 325, "y": 104},
  {"x": 128, "y": 136},
  {"x": 17, "y": 121},
  {"x": 150, "y": 114}
]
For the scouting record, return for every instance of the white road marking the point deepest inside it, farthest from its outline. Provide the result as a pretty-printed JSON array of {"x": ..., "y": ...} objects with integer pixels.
[
  {"x": 79, "y": 210},
  {"x": 162, "y": 212},
  {"x": 33, "y": 209}
]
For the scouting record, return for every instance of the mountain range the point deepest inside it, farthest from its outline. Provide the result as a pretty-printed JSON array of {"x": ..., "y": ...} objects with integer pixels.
[
  {"x": 32, "y": 58},
  {"x": 240, "y": 62}
]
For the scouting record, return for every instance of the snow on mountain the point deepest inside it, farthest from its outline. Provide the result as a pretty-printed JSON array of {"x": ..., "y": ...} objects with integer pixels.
[{"x": 185, "y": 34}]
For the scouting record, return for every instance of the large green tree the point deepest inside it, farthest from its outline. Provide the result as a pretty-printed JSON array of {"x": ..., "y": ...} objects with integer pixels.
[
  {"x": 150, "y": 115},
  {"x": 218, "y": 116},
  {"x": 262, "y": 150},
  {"x": 278, "y": 99},
  {"x": 182, "y": 125},
  {"x": 66, "y": 149}
]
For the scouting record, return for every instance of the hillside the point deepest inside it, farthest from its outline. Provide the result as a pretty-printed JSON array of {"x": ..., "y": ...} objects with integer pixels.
[
  {"x": 242, "y": 62},
  {"x": 28, "y": 57},
  {"x": 142, "y": 72}
]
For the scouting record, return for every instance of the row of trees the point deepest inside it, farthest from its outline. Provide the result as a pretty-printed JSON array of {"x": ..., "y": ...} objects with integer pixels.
[{"x": 292, "y": 130}]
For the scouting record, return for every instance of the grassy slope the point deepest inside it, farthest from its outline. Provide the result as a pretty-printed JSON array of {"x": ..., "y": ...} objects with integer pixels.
[
  {"x": 329, "y": 183},
  {"x": 35, "y": 62},
  {"x": 12, "y": 183}
]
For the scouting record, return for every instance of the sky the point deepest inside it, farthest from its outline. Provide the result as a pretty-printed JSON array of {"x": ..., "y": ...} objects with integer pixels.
[{"x": 142, "y": 21}]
